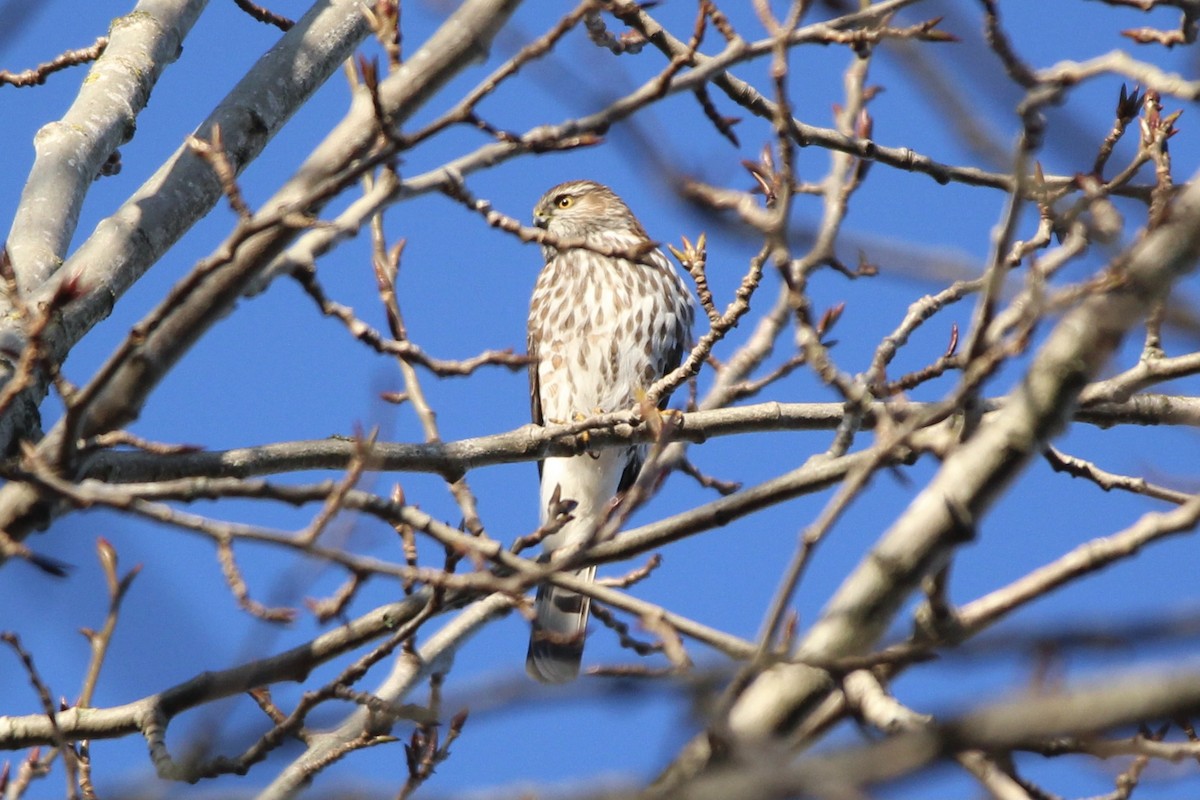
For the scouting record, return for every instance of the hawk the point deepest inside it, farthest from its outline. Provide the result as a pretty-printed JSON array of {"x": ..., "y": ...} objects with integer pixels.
[{"x": 602, "y": 330}]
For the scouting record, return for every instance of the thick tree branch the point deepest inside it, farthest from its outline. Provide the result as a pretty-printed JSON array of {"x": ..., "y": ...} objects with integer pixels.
[
  {"x": 184, "y": 189},
  {"x": 116, "y": 394},
  {"x": 70, "y": 151}
]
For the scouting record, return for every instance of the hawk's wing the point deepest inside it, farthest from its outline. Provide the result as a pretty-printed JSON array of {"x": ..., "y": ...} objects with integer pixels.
[
  {"x": 674, "y": 357},
  {"x": 535, "y": 388},
  {"x": 638, "y": 455}
]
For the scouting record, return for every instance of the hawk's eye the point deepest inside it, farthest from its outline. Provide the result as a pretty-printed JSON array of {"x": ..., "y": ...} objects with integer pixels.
[{"x": 564, "y": 201}]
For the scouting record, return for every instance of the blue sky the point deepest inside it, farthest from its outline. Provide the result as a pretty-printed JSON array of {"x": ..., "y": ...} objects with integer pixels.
[{"x": 274, "y": 370}]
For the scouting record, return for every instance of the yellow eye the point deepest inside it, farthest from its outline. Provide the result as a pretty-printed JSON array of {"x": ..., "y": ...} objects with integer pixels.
[{"x": 564, "y": 201}]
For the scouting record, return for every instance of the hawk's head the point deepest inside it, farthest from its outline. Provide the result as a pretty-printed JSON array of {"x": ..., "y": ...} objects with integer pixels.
[{"x": 581, "y": 209}]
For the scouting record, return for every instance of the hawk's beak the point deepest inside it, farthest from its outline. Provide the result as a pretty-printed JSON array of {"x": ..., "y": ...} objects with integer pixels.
[{"x": 540, "y": 220}]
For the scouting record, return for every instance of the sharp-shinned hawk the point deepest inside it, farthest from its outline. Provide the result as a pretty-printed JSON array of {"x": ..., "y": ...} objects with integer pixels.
[{"x": 602, "y": 330}]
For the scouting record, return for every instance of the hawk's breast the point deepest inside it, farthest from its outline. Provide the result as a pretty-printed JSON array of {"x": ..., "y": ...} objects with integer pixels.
[{"x": 605, "y": 329}]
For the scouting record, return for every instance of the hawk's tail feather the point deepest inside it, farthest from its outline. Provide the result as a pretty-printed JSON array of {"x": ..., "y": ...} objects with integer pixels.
[{"x": 556, "y": 644}]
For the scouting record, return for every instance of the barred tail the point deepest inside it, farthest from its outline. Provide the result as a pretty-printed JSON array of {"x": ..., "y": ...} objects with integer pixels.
[{"x": 556, "y": 644}]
